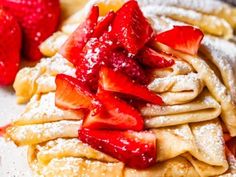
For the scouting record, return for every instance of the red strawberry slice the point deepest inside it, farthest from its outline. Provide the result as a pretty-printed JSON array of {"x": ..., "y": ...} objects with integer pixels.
[
  {"x": 131, "y": 27},
  {"x": 231, "y": 144},
  {"x": 136, "y": 149},
  {"x": 226, "y": 137},
  {"x": 151, "y": 58},
  {"x": 103, "y": 24},
  {"x": 3, "y": 129},
  {"x": 38, "y": 19},
  {"x": 120, "y": 61},
  {"x": 10, "y": 47},
  {"x": 117, "y": 114},
  {"x": 71, "y": 94},
  {"x": 183, "y": 38},
  {"x": 113, "y": 81},
  {"x": 102, "y": 51},
  {"x": 95, "y": 54},
  {"x": 72, "y": 48},
  {"x": 99, "y": 52}
]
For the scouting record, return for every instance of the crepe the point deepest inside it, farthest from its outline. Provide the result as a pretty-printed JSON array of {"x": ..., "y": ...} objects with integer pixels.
[
  {"x": 38, "y": 133},
  {"x": 197, "y": 147},
  {"x": 201, "y": 109},
  {"x": 51, "y": 45},
  {"x": 52, "y": 150},
  {"x": 177, "y": 89},
  {"x": 217, "y": 8},
  {"x": 40, "y": 79},
  {"x": 208, "y": 23},
  {"x": 179, "y": 68},
  {"x": 75, "y": 167},
  {"x": 40, "y": 106},
  {"x": 215, "y": 86},
  {"x": 223, "y": 54},
  {"x": 50, "y": 155}
]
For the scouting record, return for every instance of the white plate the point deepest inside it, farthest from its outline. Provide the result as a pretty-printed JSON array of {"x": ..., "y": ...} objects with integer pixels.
[{"x": 13, "y": 160}]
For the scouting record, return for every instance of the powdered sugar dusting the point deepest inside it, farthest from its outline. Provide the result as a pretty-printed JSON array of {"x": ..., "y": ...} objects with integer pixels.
[
  {"x": 190, "y": 82},
  {"x": 40, "y": 79},
  {"x": 208, "y": 7},
  {"x": 183, "y": 132},
  {"x": 162, "y": 23},
  {"x": 206, "y": 101},
  {"x": 209, "y": 140},
  {"x": 37, "y": 133},
  {"x": 223, "y": 54},
  {"x": 161, "y": 10},
  {"x": 207, "y": 23},
  {"x": 42, "y": 109}
]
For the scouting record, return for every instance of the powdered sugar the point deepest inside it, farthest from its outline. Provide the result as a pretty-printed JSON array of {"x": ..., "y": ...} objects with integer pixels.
[
  {"x": 209, "y": 140},
  {"x": 189, "y": 82},
  {"x": 208, "y": 23},
  {"x": 161, "y": 10},
  {"x": 223, "y": 54},
  {"x": 56, "y": 64},
  {"x": 208, "y": 7}
]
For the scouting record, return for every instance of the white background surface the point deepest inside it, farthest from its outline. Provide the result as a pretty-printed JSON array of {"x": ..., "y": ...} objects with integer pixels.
[{"x": 13, "y": 160}]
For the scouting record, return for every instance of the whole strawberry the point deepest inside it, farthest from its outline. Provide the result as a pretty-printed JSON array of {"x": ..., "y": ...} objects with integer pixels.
[
  {"x": 38, "y": 19},
  {"x": 10, "y": 47}
]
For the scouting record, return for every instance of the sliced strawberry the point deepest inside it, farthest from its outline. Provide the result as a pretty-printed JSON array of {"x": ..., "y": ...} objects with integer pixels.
[
  {"x": 3, "y": 129},
  {"x": 113, "y": 81},
  {"x": 10, "y": 47},
  {"x": 38, "y": 20},
  {"x": 103, "y": 24},
  {"x": 131, "y": 27},
  {"x": 71, "y": 94},
  {"x": 151, "y": 58},
  {"x": 226, "y": 137},
  {"x": 95, "y": 54},
  {"x": 231, "y": 144},
  {"x": 183, "y": 38},
  {"x": 136, "y": 149},
  {"x": 117, "y": 115},
  {"x": 120, "y": 61},
  {"x": 72, "y": 48}
]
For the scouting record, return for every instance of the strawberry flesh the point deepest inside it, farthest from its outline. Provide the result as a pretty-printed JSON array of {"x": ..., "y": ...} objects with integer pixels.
[
  {"x": 120, "y": 61},
  {"x": 136, "y": 149},
  {"x": 104, "y": 52},
  {"x": 131, "y": 27},
  {"x": 73, "y": 47},
  {"x": 3, "y": 129},
  {"x": 95, "y": 54},
  {"x": 231, "y": 144},
  {"x": 117, "y": 116},
  {"x": 182, "y": 38},
  {"x": 103, "y": 24},
  {"x": 10, "y": 47},
  {"x": 113, "y": 81},
  {"x": 38, "y": 19},
  {"x": 151, "y": 58},
  {"x": 72, "y": 94}
]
